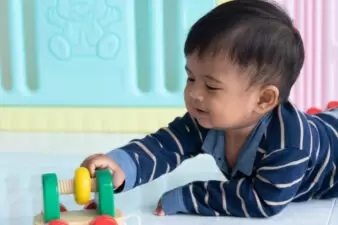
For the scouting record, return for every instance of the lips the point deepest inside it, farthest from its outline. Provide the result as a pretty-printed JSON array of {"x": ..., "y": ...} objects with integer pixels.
[
  {"x": 199, "y": 113},
  {"x": 200, "y": 110}
]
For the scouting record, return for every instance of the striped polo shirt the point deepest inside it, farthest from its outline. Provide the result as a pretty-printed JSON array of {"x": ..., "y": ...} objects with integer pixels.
[{"x": 289, "y": 157}]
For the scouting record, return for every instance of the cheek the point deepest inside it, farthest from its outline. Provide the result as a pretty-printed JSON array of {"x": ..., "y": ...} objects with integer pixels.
[
  {"x": 186, "y": 96},
  {"x": 217, "y": 106},
  {"x": 227, "y": 107}
]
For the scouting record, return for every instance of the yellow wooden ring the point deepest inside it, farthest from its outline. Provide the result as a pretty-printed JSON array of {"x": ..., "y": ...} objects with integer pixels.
[{"x": 82, "y": 186}]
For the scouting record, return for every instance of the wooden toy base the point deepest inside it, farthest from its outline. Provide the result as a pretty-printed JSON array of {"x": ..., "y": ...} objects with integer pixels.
[{"x": 81, "y": 217}]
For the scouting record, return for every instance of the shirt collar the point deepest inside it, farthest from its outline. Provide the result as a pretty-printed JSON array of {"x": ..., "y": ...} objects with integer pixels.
[
  {"x": 247, "y": 155},
  {"x": 214, "y": 144}
]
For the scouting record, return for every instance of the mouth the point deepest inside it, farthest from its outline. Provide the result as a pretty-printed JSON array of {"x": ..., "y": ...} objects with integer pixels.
[{"x": 200, "y": 112}]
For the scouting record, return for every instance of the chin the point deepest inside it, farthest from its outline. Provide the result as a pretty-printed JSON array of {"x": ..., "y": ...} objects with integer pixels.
[{"x": 205, "y": 123}]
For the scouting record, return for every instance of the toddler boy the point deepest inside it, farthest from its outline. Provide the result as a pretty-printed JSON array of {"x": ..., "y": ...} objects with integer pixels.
[{"x": 242, "y": 59}]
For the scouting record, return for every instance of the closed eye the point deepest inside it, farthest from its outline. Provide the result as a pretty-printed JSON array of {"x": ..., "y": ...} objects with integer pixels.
[
  {"x": 190, "y": 79},
  {"x": 212, "y": 88}
]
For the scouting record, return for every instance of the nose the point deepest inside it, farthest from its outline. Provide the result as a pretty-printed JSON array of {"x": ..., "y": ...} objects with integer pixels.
[{"x": 196, "y": 96}]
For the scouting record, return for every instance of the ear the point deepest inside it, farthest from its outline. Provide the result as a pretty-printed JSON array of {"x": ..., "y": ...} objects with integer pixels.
[{"x": 268, "y": 99}]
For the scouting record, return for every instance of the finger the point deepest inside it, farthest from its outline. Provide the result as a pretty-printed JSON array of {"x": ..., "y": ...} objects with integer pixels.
[
  {"x": 118, "y": 177},
  {"x": 92, "y": 168},
  {"x": 87, "y": 160},
  {"x": 158, "y": 208},
  {"x": 159, "y": 211},
  {"x": 95, "y": 164},
  {"x": 156, "y": 211}
]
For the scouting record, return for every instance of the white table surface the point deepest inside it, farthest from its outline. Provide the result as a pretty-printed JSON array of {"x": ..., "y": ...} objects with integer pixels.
[{"x": 25, "y": 156}]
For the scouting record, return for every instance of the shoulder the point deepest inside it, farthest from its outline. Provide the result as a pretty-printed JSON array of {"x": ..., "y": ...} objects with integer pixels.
[
  {"x": 328, "y": 117},
  {"x": 188, "y": 124},
  {"x": 288, "y": 128}
]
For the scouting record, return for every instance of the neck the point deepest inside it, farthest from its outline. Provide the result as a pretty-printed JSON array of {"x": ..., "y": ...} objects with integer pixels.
[
  {"x": 236, "y": 137},
  {"x": 239, "y": 133}
]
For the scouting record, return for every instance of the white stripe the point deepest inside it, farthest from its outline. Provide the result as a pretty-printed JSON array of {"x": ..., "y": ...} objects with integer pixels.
[
  {"x": 287, "y": 185},
  {"x": 158, "y": 141},
  {"x": 318, "y": 147},
  {"x": 311, "y": 140},
  {"x": 333, "y": 175},
  {"x": 193, "y": 199},
  {"x": 293, "y": 163},
  {"x": 240, "y": 197},
  {"x": 301, "y": 127},
  {"x": 261, "y": 151},
  {"x": 259, "y": 204},
  {"x": 148, "y": 152},
  {"x": 187, "y": 128},
  {"x": 311, "y": 146},
  {"x": 224, "y": 202},
  {"x": 278, "y": 203},
  {"x": 328, "y": 125},
  {"x": 179, "y": 145},
  {"x": 206, "y": 198},
  {"x": 273, "y": 152},
  {"x": 137, "y": 158},
  {"x": 314, "y": 182},
  {"x": 281, "y": 122},
  {"x": 168, "y": 168},
  {"x": 178, "y": 159}
]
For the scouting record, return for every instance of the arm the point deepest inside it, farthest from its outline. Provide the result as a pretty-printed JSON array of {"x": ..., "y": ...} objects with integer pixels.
[
  {"x": 144, "y": 160},
  {"x": 265, "y": 194}
]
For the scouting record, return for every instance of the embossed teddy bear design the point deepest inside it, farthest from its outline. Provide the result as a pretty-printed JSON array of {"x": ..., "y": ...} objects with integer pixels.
[{"x": 85, "y": 29}]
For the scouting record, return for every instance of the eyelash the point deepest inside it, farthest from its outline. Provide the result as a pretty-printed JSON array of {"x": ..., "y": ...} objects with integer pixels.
[
  {"x": 212, "y": 88},
  {"x": 208, "y": 87},
  {"x": 191, "y": 79}
]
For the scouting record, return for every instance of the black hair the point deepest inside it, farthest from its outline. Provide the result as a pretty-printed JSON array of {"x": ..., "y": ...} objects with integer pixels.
[{"x": 257, "y": 36}]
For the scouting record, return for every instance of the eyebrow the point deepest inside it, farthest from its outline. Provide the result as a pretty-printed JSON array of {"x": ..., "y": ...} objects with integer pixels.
[
  {"x": 213, "y": 78},
  {"x": 209, "y": 77}
]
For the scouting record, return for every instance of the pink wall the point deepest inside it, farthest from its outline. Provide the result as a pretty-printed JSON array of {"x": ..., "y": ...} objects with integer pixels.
[{"x": 318, "y": 83}]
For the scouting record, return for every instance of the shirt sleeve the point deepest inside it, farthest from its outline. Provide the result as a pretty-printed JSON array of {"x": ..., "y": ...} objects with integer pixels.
[
  {"x": 144, "y": 160},
  {"x": 267, "y": 192}
]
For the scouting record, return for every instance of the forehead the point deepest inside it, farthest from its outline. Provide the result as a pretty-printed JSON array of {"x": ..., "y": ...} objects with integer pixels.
[{"x": 217, "y": 66}]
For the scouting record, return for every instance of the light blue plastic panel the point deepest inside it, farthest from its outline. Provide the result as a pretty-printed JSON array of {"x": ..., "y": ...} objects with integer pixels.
[{"x": 95, "y": 52}]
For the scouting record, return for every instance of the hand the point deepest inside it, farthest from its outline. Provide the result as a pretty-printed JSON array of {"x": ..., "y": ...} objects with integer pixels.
[
  {"x": 159, "y": 211},
  {"x": 102, "y": 161}
]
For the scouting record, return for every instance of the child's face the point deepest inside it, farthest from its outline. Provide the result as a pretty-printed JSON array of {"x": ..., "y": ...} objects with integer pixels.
[{"x": 217, "y": 94}]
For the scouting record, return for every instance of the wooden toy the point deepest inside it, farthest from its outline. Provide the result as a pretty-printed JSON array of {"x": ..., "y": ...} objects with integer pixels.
[{"x": 81, "y": 186}]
